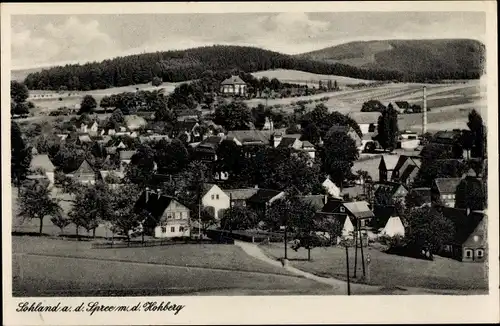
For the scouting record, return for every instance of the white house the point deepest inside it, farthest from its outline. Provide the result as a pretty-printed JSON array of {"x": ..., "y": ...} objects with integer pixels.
[
  {"x": 216, "y": 198},
  {"x": 331, "y": 188},
  {"x": 367, "y": 121},
  {"x": 393, "y": 227},
  {"x": 42, "y": 164},
  {"x": 234, "y": 86}
]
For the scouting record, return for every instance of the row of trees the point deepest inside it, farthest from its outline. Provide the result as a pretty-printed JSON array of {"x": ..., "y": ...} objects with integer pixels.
[{"x": 176, "y": 66}]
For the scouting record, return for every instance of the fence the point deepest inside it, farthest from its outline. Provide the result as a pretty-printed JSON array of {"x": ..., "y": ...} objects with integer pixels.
[
  {"x": 155, "y": 243},
  {"x": 247, "y": 236}
]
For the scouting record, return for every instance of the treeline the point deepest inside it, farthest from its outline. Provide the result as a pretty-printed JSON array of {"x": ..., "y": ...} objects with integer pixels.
[{"x": 176, "y": 66}]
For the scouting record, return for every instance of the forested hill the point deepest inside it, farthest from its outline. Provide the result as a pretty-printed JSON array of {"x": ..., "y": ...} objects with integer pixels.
[
  {"x": 176, "y": 66},
  {"x": 437, "y": 59}
]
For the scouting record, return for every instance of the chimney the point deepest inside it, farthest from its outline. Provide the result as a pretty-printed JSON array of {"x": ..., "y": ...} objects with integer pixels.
[
  {"x": 159, "y": 192},
  {"x": 147, "y": 194},
  {"x": 277, "y": 139},
  {"x": 256, "y": 186},
  {"x": 424, "y": 122},
  {"x": 468, "y": 211},
  {"x": 325, "y": 199}
]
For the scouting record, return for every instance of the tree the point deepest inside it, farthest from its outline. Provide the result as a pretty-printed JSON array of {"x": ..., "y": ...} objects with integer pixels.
[
  {"x": 60, "y": 221},
  {"x": 233, "y": 116},
  {"x": 171, "y": 157},
  {"x": 471, "y": 194},
  {"x": 116, "y": 119},
  {"x": 373, "y": 106},
  {"x": 427, "y": 229},
  {"x": 388, "y": 128},
  {"x": 91, "y": 206},
  {"x": 478, "y": 129},
  {"x": 88, "y": 104},
  {"x": 311, "y": 133},
  {"x": 339, "y": 155},
  {"x": 157, "y": 81},
  {"x": 140, "y": 169},
  {"x": 67, "y": 184},
  {"x": 20, "y": 159},
  {"x": 18, "y": 92},
  {"x": 260, "y": 113},
  {"x": 164, "y": 113},
  {"x": 36, "y": 202},
  {"x": 238, "y": 218},
  {"x": 229, "y": 157},
  {"x": 124, "y": 218}
]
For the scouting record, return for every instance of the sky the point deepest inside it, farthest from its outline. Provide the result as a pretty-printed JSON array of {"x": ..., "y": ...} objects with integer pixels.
[{"x": 44, "y": 40}]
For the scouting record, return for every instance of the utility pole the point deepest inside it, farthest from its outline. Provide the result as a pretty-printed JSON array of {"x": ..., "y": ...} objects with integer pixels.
[
  {"x": 355, "y": 248},
  {"x": 347, "y": 264},
  {"x": 361, "y": 245}
]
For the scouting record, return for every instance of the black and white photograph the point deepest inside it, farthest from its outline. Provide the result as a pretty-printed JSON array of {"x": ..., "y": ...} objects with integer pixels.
[{"x": 328, "y": 153}]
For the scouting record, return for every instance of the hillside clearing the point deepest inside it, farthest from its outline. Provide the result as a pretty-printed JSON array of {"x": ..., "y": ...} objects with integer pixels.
[{"x": 296, "y": 76}]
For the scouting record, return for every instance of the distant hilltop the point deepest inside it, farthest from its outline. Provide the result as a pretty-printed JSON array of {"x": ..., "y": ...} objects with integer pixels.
[
  {"x": 442, "y": 56},
  {"x": 395, "y": 60}
]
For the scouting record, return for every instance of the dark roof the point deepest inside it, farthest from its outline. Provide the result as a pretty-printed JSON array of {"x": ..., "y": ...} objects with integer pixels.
[
  {"x": 287, "y": 142},
  {"x": 422, "y": 194},
  {"x": 156, "y": 205},
  {"x": 446, "y": 136},
  {"x": 401, "y": 161},
  {"x": 388, "y": 187},
  {"x": 402, "y": 104},
  {"x": 339, "y": 128},
  {"x": 447, "y": 185},
  {"x": 263, "y": 195},
  {"x": 85, "y": 167},
  {"x": 407, "y": 172},
  {"x": 331, "y": 205},
  {"x": 241, "y": 194},
  {"x": 212, "y": 141},
  {"x": 233, "y": 80},
  {"x": 464, "y": 224},
  {"x": 186, "y": 125},
  {"x": 317, "y": 201}
]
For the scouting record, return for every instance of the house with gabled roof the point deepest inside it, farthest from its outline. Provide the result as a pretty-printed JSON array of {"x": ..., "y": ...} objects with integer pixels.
[
  {"x": 42, "y": 166},
  {"x": 262, "y": 199},
  {"x": 234, "y": 86},
  {"x": 206, "y": 150},
  {"x": 406, "y": 169},
  {"x": 470, "y": 243},
  {"x": 443, "y": 191},
  {"x": 239, "y": 197},
  {"x": 85, "y": 173},
  {"x": 249, "y": 137},
  {"x": 386, "y": 167},
  {"x": 216, "y": 199},
  {"x": 170, "y": 218},
  {"x": 387, "y": 195},
  {"x": 401, "y": 106},
  {"x": 367, "y": 121}
]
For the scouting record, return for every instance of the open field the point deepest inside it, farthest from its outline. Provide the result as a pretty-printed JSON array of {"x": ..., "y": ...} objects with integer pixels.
[
  {"x": 47, "y": 267},
  {"x": 56, "y": 276},
  {"x": 70, "y": 98},
  {"x": 217, "y": 256},
  {"x": 302, "y": 77},
  {"x": 389, "y": 270}
]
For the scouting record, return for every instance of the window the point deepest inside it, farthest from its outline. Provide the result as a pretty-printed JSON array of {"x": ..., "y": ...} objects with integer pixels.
[
  {"x": 163, "y": 229},
  {"x": 217, "y": 196},
  {"x": 173, "y": 215},
  {"x": 342, "y": 209},
  {"x": 181, "y": 229},
  {"x": 468, "y": 253},
  {"x": 169, "y": 216},
  {"x": 180, "y": 215},
  {"x": 371, "y": 127},
  {"x": 213, "y": 197},
  {"x": 479, "y": 253},
  {"x": 172, "y": 229}
]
